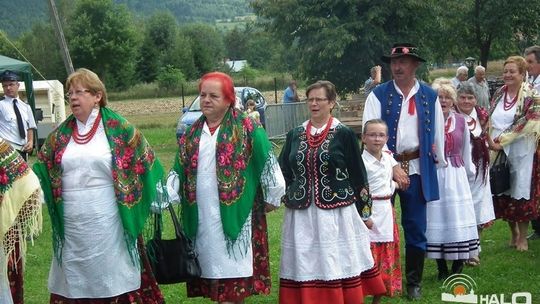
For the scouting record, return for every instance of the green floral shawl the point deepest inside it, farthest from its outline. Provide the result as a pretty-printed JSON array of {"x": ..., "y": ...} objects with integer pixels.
[
  {"x": 242, "y": 150},
  {"x": 136, "y": 174}
]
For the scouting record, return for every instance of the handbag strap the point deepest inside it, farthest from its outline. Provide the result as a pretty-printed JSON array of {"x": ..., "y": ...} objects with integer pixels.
[
  {"x": 503, "y": 157},
  {"x": 177, "y": 230},
  {"x": 157, "y": 226}
]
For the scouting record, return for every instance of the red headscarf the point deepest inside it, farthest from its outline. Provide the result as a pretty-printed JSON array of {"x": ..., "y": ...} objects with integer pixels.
[{"x": 227, "y": 85}]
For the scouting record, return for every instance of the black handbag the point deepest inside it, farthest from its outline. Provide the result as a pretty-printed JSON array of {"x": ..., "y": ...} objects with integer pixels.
[
  {"x": 499, "y": 174},
  {"x": 172, "y": 261}
]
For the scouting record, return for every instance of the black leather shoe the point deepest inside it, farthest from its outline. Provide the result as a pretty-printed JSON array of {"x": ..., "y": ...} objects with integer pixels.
[{"x": 414, "y": 293}]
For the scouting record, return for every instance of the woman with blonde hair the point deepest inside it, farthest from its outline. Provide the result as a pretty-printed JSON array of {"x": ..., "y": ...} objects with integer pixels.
[{"x": 515, "y": 130}]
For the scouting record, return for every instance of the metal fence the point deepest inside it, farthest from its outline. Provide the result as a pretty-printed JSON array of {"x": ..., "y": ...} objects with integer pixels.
[{"x": 280, "y": 118}]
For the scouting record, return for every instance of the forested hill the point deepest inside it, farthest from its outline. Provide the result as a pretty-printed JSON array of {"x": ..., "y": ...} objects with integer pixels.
[{"x": 16, "y": 17}]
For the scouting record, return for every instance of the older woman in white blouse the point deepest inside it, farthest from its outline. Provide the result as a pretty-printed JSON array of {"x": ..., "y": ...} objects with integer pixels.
[{"x": 226, "y": 175}]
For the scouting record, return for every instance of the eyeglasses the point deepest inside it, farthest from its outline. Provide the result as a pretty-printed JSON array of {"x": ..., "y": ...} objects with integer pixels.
[
  {"x": 376, "y": 135},
  {"x": 316, "y": 99},
  {"x": 77, "y": 93}
]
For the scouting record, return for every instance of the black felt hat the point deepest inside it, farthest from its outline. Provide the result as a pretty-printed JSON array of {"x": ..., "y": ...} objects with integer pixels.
[{"x": 403, "y": 49}]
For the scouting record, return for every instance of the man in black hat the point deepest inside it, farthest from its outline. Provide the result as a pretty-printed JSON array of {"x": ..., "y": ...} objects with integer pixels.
[
  {"x": 416, "y": 138},
  {"x": 17, "y": 122}
]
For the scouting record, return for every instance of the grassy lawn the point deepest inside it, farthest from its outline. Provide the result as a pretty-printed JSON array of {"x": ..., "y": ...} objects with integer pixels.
[{"x": 502, "y": 271}]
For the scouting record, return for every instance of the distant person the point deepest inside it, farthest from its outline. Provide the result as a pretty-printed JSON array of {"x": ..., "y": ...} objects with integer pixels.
[
  {"x": 373, "y": 80},
  {"x": 480, "y": 86},
  {"x": 252, "y": 111},
  {"x": 462, "y": 73},
  {"x": 291, "y": 93},
  {"x": 100, "y": 177},
  {"x": 384, "y": 235},
  {"x": 532, "y": 55},
  {"x": 20, "y": 217},
  {"x": 17, "y": 122}
]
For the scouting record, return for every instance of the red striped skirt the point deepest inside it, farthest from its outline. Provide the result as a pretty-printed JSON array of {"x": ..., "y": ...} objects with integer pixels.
[{"x": 344, "y": 291}]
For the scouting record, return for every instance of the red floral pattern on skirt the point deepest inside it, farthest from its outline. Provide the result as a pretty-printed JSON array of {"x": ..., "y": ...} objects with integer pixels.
[
  {"x": 237, "y": 289},
  {"x": 15, "y": 276},
  {"x": 386, "y": 256},
  {"x": 149, "y": 292},
  {"x": 522, "y": 210}
]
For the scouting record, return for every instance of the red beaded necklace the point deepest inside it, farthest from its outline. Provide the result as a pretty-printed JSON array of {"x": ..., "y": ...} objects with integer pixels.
[
  {"x": 213, "y": 129},
  {"x": 84, "y": 139},
  {"x": 509, "y": 104},
  {"x": 315, "y": 141}
]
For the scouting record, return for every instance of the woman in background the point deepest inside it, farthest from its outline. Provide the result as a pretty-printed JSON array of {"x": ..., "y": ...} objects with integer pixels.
[
  {"x": 515, "y": 129},
  {"x": 451, "y": 223},
  {"x": 477, "y": 118}
]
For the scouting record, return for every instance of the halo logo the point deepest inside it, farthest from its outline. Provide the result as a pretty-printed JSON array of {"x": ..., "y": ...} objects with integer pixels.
[{"x": 460, "y": 288}]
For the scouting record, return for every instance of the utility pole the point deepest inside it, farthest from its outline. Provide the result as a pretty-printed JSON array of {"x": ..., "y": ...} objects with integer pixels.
[{"x": 60, "y": 37}]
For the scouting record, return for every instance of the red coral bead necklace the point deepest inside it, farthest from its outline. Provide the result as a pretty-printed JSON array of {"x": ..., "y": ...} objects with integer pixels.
[
  {"x": 316, "y": 140},
  {"x": 86, "y": 138}
]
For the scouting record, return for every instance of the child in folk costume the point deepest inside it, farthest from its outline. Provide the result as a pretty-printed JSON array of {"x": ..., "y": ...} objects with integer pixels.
[
  {"x": 451, "y": 221},
  {"x": 384, "y": 233}
]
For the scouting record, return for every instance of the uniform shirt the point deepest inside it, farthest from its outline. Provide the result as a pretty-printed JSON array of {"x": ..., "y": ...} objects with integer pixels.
[{"x": 8, "y": 121}]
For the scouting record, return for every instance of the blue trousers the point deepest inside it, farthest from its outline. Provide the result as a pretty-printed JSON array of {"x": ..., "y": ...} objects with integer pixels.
[{"x": 413, "y": 214}]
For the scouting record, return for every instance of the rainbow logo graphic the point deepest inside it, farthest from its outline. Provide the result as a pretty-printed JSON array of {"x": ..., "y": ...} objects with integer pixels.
[{"x": 459, "y": 288}]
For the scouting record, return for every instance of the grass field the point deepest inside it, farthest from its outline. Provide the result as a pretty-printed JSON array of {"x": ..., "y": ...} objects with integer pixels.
[{"x": 502, "y": 271}]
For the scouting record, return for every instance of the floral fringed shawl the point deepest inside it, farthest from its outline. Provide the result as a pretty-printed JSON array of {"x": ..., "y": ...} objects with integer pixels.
[
  {"x": 136, "y": 174},
  {"x": 20, "y": 203},
  {"x": 242, "y": 151},
  {"x": 527, "y": 118}
]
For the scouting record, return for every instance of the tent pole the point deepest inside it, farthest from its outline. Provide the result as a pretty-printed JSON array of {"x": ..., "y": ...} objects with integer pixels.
[{"x": 60, "y": 36}]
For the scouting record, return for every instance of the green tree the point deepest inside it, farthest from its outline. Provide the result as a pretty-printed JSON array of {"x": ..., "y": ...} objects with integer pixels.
[
  {"x": 161, "y": 30},
  {"x": 180, "y": 55},
  {"x": 102, "y": 37},
  {"x": 340, "y": 40},
  {"x": 41, "y": 49},
  {"x": 170, "y": 78},
  {"x": 207, "y": 46}
]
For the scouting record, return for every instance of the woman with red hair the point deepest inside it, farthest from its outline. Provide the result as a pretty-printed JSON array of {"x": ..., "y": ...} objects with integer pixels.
[{"x": 226, "y": 176}]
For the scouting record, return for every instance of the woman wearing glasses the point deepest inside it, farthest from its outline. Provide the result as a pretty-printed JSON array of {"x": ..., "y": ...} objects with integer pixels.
[
  {"x": 99, "y": 177},
  {"x": 325, "y": 243}
]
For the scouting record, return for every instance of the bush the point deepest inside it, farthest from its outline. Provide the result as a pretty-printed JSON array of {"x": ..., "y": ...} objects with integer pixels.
[{"x": 170, "y": 78}]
